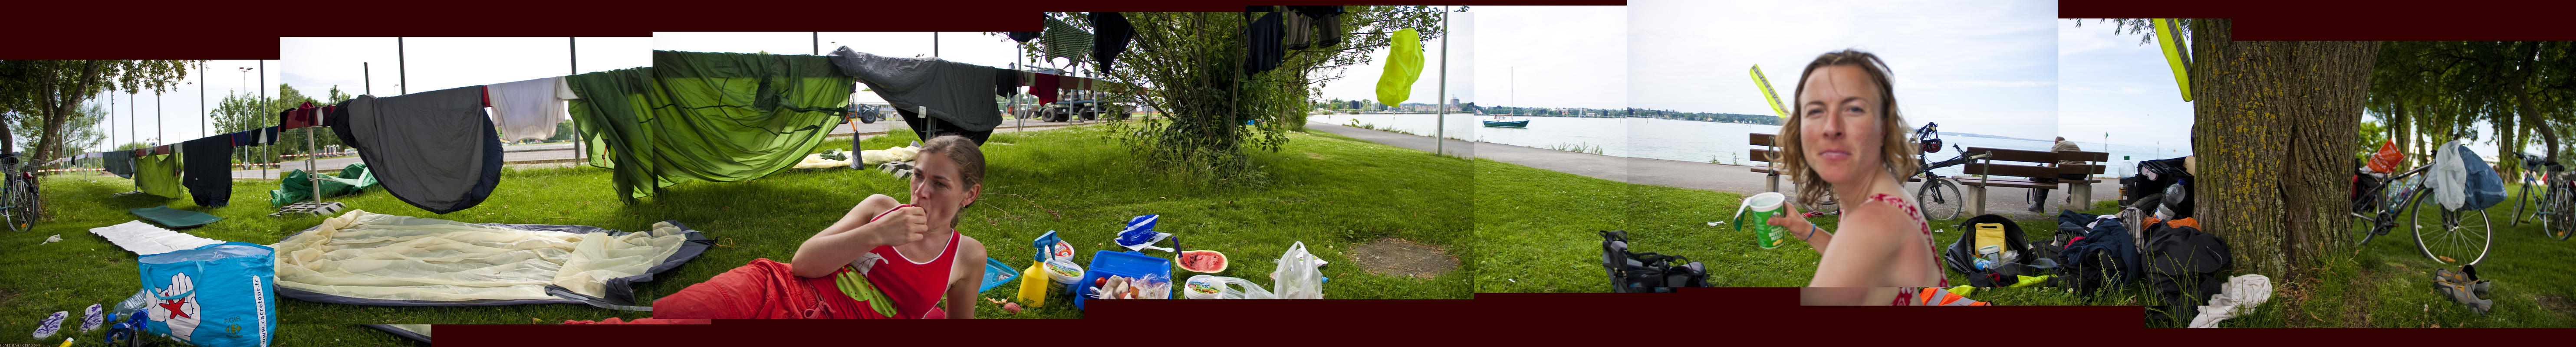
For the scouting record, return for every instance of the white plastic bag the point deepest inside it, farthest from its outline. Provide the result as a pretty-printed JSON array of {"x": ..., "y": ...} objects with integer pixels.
[
  {"x": 1299, "y": 274},
  {"x": 1219, "y": 287}
]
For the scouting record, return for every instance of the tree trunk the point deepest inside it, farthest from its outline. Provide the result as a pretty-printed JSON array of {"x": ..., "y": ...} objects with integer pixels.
[{"x": 2274, "y": 124}]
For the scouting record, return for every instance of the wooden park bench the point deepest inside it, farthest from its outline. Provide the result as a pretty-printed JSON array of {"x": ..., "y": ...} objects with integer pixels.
[{"x": 2018, "y": 167}]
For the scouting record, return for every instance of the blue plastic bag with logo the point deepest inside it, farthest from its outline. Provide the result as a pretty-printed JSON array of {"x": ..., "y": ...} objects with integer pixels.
[{"x": 216, "y": 296}]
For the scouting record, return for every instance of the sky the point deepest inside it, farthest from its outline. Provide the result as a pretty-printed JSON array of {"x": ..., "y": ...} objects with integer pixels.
[
  {"x": 2108, "y": 83},
  {"x": 1981, "y": 67},
  {"x": 1553, "y": 56},
  {"x": 178, "y": 116},
  {"x": 360, "y": 65},
  {"x": 1359, "y": 81}
]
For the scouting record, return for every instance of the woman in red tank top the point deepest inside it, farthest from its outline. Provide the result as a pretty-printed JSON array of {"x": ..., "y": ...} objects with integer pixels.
[{"x": 909, "y": 255}]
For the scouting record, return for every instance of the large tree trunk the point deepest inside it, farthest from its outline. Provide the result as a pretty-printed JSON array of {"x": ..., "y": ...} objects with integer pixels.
[{"x": 2274, "y": 126}]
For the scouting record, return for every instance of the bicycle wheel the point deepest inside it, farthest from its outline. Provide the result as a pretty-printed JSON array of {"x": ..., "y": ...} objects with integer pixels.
[
  {"x": 2521, "y": 197},
  {"x": 2451, "y": 238},
  {"x": 2555, "y": 220},
  {"x": 12, "y": 210},
  {"x": 1940, "y": 198}
]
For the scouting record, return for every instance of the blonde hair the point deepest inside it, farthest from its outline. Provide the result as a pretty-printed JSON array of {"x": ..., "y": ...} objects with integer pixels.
[{"x": 1896, "y": 148}]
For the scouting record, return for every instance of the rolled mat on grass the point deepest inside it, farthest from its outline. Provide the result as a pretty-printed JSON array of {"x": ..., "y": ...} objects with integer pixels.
[
  {"x": 144, "y": 239},
  {"x": 294, "y": 188},
  {"x": 175, "y": 218},
  {"x": 362, "y": 258}
]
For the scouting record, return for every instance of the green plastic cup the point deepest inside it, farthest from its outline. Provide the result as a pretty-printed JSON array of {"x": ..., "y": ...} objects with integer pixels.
[{"x": 1761, "y": 207}]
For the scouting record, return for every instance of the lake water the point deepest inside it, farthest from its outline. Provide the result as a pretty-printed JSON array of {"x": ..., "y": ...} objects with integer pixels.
[{"x": 1693, "y": 141}]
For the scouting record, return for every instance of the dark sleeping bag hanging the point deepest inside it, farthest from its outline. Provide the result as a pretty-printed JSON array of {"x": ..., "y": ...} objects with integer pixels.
[
  {"x": 435, "y": 150},
  {"x": 207, "y": 170}
]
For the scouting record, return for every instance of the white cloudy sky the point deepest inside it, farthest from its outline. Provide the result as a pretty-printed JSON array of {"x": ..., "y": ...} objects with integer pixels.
[
  {"x": 1983, "y": 67},
  {"x": 177, "y": 117},
  {"x": 360, "y": 65},
  {"x": 1553, "y": 56},
  {"x": 2108, "y": 83}
]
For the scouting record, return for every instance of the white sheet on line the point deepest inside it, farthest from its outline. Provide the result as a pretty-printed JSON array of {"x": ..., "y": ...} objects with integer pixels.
[
  {"x": 145, "y": 239},
  {"x": 376, "y": 256}
]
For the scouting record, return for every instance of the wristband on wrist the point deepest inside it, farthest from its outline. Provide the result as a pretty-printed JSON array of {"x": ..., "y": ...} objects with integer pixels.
[{"x": 1811, "y": 230}]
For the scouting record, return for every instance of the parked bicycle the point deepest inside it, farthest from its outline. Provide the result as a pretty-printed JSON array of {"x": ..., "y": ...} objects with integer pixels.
[
  {"x": 2450, "y": 238},
  {"x": 1939, "y": 195},
  {"x": 17, "y": 194},
  {"x": 2547, "y": 194}
]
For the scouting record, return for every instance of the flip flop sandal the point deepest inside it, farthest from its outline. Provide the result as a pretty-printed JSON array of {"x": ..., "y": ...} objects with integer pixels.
[
  {"x": 91, "y": 318},
  {"x": 51, "y": 324}
]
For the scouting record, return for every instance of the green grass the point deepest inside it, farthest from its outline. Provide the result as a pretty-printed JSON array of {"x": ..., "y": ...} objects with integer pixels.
[
  {"x": 2388, "y": 282},
  {"x": 1328, "y": 191}
]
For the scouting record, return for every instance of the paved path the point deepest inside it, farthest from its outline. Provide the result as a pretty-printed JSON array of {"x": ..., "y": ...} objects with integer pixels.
[
  {"x": 2010, "y": 202},
  {"x": 554, "y": 152}
]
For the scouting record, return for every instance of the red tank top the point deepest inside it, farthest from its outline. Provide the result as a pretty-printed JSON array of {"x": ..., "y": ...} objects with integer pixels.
[{"x": 913, "y": 284}]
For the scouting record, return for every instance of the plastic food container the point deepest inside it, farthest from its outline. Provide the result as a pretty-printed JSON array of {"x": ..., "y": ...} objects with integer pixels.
[
  {"x": 996, "y": 273},
  {"x": 1123, "y": 264},
  {"x": 1065, "y": 273}
]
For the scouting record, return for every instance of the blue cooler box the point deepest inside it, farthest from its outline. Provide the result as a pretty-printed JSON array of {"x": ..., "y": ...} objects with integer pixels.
[{"x": 1126, "y": 264}]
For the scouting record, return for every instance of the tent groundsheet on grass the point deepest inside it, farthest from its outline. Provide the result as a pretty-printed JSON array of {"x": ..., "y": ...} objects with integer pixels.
[
  {"x": 362, "y": 258},
  {"x": 175, "y": 218}
]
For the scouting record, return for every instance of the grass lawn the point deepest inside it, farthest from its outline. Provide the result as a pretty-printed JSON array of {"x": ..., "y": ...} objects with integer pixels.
[
  {"x": 2389, "y": 282},
  {"x": 1328, "y": 191}
]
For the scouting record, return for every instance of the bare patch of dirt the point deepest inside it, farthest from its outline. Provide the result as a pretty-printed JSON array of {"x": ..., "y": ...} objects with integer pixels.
[
  {"x": 1399, "y": 257},
  {"x": 2556, "y": 303}
]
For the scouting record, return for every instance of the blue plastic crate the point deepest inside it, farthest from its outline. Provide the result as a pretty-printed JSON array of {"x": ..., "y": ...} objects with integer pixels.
[{"x": 1126, "y": 264}]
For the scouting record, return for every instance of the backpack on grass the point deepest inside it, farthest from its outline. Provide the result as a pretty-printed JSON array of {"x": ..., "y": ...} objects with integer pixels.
[{"x": 1646, "y": 272}]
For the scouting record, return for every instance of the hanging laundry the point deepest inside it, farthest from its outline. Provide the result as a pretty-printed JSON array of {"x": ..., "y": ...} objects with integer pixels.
[
  {"x": 1300, "y": 30},
  {"x": 1044, "y": 87},
  {"x": 1326, "y": 22},
  {"x": 527, "y": 109},
  {"x": 1005, "y": 82},
  {"x": 120, "y": 163},
  {"x": 1025, "y": 36},
  {"x": 209, "y": 174},
  {"x": 1066, "y": 41},
  {"x": 268, "y": 135},
  {"x": 748, "y": 115},
  {"x": 953, "y": 91},
  {"x": 158, "y": 175},
  {"x": 298, "y": 117},
  {"x": 242, "y": 138},
  {"x": 1110, "y": 33},
  {"x": 1263, "y": 39},
  {"x": 435, "y": 150},
  {"x": 1403, "y": 67}
]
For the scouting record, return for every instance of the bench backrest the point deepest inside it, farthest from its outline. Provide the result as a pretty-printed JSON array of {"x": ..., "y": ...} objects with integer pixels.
[
  {"x": 2034, "y": 164},
  {"x": 1762, "y": 147}
]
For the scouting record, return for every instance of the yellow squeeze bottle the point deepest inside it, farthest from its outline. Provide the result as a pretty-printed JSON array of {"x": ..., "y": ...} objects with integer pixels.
[{"x": 1034, "y": 285}]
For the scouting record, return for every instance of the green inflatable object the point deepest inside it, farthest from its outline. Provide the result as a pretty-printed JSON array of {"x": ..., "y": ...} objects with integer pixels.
[
  {"x": 293, "y": 189},
  {"x": 1403, "y": 67}
]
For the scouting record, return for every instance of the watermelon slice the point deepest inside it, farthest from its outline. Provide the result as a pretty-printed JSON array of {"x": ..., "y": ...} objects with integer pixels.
[{"x": 1203, "y": 261}]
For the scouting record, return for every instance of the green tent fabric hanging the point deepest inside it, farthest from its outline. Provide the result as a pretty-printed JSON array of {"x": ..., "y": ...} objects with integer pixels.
[
  {"x": 158, "y": 175},
  {"x": 692, "y": 116},
  {"x": 1403, "y": 67},
  {"x": 293, "y": 189}
]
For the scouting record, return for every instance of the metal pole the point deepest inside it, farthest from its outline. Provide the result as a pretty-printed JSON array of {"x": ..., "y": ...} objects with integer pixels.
[
  {"x": 1440, "y": 104},
  {"x": 573, "y": 44},
  {"x": 818, "y": 43},
  {"x": 402, "y": 83}
]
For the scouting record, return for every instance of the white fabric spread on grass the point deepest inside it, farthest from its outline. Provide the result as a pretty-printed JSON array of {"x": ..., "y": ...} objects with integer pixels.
[
  {"x": 145, "y": 239},
  {"x": 816, "y": 161},
  {"x": 2238, "y": 297},
  {"x": 376, "y": 256}
]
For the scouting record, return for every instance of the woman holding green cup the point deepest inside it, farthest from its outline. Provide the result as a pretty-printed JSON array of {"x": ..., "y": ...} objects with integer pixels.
[{"x": 1845, "y": 138}]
